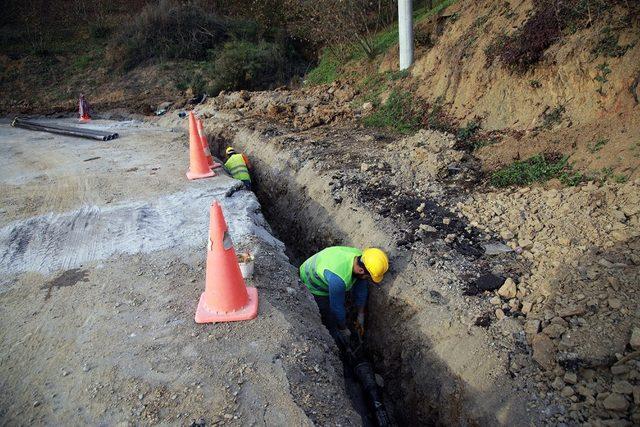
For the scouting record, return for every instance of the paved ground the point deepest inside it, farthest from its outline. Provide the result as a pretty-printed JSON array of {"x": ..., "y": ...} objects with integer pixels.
[{"x": 102, "y": 250}]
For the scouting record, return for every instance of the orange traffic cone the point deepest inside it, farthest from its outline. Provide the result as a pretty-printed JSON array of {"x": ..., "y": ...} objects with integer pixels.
[
  {"x": 226, "y": 298},
  {"x": 205, "y": 146},
  {"x": 198, "y": 166},
  {"x": 84, "y": 110},
  {"x": 204, "y": 142}
]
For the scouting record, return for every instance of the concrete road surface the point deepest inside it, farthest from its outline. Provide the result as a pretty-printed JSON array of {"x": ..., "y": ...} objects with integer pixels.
[{"x": 102, "y": 256}]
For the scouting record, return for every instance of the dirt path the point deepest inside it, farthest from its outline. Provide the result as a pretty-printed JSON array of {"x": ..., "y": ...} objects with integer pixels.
[{"x": 102, "y": 258}]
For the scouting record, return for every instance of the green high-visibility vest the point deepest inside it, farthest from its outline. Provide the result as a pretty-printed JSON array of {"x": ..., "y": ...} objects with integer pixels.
[
  {"x": 237, "y": 167},
  {"x": 336, "y": 259}
]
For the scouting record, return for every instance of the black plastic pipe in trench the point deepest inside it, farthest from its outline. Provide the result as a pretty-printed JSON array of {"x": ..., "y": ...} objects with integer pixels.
[{"x": 366, "y": 376}]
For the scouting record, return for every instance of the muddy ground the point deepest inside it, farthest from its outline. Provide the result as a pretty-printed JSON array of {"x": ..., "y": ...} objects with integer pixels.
[{"x": 103, "y": 252}]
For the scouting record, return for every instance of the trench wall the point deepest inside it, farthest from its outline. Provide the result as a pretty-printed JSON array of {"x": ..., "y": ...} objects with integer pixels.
[{"x": 436, "y": 370}]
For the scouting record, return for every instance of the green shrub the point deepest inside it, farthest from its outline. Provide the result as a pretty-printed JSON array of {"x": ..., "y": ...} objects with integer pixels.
[
  {"x": 397, "y": 75},
  {"x": 598, "y": 145},
  {"x": 370, "y": 89},
  {"x": 571, "y": 179},
  {"x": 471, "y": 137},
  {"x": 395, "y": 114},
  {"x": 325, "y": 72},
  {"x": 467, "y": 132},
  {"x": 190, "y": 79},
  {"x": 438, "y": 119},
  {"x": 247, "y": 65},
  {"x": 603, "y": 72},
  {"x": 620, "y": 179},
  {"x": 478, "y": 143},
  {"x": 81, "y": 62},
  {"x": 553, "y": 117},
  {"x": 168, "y": 30},
  {"x": 538, "y": 168},
  {"x": 608, "y": 45}
]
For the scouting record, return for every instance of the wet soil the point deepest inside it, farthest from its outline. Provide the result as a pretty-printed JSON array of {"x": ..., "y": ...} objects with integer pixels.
[{"x": 68, "y": 278}]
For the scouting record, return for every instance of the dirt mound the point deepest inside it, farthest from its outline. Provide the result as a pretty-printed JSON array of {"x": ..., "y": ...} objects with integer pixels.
[
  {"x": 562, "y": 309},
  {"x": 367, "y": 199},
  {"x": 301, "y": 109},
  {"x": 579, "y": 300}
]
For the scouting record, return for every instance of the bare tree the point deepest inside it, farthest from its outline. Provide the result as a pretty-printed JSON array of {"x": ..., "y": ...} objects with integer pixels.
[{"x": 340, "y": 23}]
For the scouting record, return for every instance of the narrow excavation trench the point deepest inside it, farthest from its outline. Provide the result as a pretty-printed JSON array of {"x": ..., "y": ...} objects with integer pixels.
[
  {"x": 298, "y": 249},
  {"x": 279, "y": 206},
  {"x": 437, "y": 370}
]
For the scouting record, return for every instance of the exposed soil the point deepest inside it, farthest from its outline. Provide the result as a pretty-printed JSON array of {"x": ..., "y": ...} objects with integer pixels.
[
  {"x": 502, "y": 307},
  {"x": 447, "y": 353},
  {"x": 102, "y": 266},
  {"x": 457, "y": 70},
  {"x": 437, "y": 366}
]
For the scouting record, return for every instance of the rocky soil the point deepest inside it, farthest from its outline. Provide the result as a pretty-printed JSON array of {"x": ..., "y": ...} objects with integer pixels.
[
  {"x": 550, "y": 275},
  {"x": 366, "y": 198},
  {"x": 579, "y": 299}
]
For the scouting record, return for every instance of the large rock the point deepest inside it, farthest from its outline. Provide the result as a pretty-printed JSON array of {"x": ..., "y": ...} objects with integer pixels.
[
  {"x": 577, "y": 310},
  {"x": 622, "y": 387},
  {"x": 554, "y": 330},
  {"x": 544, "y": 352},
  {"x": 506, "y": 234},
  {"x": 508, "y": 290},
  {"x": 532, "y": 327},
  {"x": 635, "y": 339},
  {"x": 616, "y": 402}
]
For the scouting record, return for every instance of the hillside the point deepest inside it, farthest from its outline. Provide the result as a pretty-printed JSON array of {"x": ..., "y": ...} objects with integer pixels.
[{"x": 575, "y": 94}]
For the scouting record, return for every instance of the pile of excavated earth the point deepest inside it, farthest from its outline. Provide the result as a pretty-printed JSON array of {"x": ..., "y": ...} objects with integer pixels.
[
  {"x": 501, "y": 306},
  {"x": 579, "y": 300}
]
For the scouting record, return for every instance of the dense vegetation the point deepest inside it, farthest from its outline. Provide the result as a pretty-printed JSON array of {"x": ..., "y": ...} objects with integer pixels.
[{"x": 243, "y": 44}]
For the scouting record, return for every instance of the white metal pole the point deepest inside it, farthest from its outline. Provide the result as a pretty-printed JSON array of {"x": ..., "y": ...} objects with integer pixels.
[{"x": 405, "y": 28}]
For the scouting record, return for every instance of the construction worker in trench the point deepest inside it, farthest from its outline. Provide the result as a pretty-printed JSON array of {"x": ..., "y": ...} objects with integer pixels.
[
  {"x": 333, "y": 272},
  {"x": 238, "y": 166}
]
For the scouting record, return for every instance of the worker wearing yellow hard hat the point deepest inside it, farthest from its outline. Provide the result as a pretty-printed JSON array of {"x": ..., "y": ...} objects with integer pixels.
[
  {"x": 238, "y": 166},
  {"x": 336, "y": 270}
]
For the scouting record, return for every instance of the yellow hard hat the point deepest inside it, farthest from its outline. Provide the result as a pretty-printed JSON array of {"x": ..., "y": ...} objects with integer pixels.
[
  {"x": 230, "y": 150},
  {"x": 376, "y": 263}
]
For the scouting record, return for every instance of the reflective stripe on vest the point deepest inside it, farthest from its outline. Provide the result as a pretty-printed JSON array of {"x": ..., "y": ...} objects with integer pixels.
[
  {"x": 237, "y": 168},
  {"x": 311, "y": 278}
]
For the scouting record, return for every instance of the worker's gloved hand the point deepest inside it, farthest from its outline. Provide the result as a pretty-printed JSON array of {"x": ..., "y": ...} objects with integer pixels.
[{"x": 360, "y": 323}]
